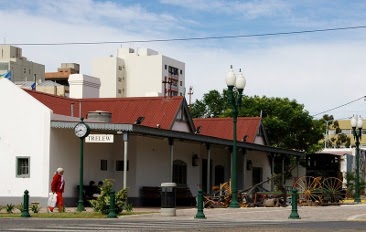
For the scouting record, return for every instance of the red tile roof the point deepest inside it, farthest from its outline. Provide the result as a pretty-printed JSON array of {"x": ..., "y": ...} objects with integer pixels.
[
  {"x": 223, "y": 127},
  {"x": 155, "y": 110}
]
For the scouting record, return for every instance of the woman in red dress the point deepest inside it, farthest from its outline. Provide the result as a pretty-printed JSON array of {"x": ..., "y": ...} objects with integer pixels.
[{"x": 57, "y": 186}]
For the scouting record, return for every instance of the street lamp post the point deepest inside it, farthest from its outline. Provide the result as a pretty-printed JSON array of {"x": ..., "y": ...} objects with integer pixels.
[
  {"x": 235, "y": 92},
  {"x": 356, "y": 124}
]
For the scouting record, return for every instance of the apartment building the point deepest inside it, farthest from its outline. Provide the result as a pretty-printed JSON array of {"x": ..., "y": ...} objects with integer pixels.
[
  {"x": 62, "y": 75},
  {"x": 138, "y": 73},
  {"x": 22, "y": 69}
]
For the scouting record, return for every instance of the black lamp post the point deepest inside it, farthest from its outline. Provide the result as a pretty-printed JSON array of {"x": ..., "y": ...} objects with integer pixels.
[
  {"x": 235, "y": 91},
  {"x": 356, "y": 124}
]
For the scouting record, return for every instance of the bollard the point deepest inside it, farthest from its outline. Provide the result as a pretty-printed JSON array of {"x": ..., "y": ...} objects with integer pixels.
[
  {"x": 294, "y": 214},
  {"x": 200, "y": 214},
  {"x": 25, "y": 211},
  {"x": 112, "y": 205}
]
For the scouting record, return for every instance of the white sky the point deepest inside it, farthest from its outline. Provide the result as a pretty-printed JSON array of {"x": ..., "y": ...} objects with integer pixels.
[{"x": 320, "y": 70}]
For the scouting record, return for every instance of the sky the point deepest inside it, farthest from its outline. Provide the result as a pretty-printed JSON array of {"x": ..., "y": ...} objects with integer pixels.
[{"x": 321, "y": 70}]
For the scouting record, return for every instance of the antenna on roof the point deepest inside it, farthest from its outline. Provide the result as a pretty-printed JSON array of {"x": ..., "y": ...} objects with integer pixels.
[{"x": 190, "y": 94}]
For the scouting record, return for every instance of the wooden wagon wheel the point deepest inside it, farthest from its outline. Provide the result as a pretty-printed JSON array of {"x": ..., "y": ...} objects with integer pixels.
[
  {"x": 309, "y": 189},
  {"x": 332, "y": 190}
]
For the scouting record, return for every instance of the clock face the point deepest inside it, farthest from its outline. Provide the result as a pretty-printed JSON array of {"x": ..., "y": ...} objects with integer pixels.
[{"x": 81, "y": 130}]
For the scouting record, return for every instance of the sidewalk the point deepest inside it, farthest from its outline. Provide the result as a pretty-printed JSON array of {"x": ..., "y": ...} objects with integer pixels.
[{"x": 255, "y": 214}]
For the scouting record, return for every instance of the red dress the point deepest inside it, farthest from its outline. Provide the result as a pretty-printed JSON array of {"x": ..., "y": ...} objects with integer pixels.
[{"x": 58, "y": 186}]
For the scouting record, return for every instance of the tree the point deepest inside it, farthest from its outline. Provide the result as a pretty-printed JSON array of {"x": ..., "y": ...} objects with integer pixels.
[
  {"x": 212, "y": 105},
  {"x": 338, "y": 140},
  {"x": 287, "y": 123}
]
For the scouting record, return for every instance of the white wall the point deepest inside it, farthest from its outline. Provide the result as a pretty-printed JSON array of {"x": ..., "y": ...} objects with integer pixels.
[
  {"x": 112, "y": 73},
  {"x": 259, "y": 159},
  {"x": 154, "y": 165},
  {"x": 24, "y": 131},
  {"x": 84, "y": 86},
  {"x": 142, "y": 73}
]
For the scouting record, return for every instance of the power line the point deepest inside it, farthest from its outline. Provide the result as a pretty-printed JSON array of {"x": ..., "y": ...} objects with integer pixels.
[
  {"x": 364, "y": 97},
  {"x": 194, "y": 38}
]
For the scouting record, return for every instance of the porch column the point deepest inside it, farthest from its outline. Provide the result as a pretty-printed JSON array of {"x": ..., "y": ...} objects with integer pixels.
[
  {"x": 171, "y": 144},
  {"x": 208, "y": 168},
  {"x": 283, "y": 170},
  {"x": 297, "y": 166},
  {"x": 125, "y": 158},
  {"x": 245, "y": 166},
  {"x": 273, "y": 171}
]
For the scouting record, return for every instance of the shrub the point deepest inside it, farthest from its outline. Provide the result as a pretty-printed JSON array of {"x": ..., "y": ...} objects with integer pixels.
[
  {"x": 35, "y": 208},
  {"x": 102, "y": 203},
  {"x": 128, "y": 207},
  {"x": 10, "y": 208},
  {"x": 19, "y": 207}
]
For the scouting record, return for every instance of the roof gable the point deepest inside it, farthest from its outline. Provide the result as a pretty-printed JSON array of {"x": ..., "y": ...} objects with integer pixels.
[
  {"x": 158, "y": 112},
  {"x": 247, "y": 128},
  {"x": 15, "y": 96}
]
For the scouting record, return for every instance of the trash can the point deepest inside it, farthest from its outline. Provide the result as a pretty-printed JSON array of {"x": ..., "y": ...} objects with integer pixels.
[{"x": 168, "y": 199}]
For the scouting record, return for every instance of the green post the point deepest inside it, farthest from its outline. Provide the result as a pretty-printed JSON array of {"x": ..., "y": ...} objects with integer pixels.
[
  {"x": 81, "y": 201},
  {"x": 200, "y": 214},
  {"x": 112, "y": 206},
  {"x": 357, "y": 188},
  {"x": 294, "y": 214},
  {"x": 235, "y": 94},
  {"x": 25, "y": 211}
]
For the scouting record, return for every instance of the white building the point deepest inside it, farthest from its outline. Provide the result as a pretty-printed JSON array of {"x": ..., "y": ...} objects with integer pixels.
[
  {"x": 155, "y": 136},
  {"x": 84, "y": 86},
  {"x": 139, "y": 73},
  {"x": 21, "y": 68}
]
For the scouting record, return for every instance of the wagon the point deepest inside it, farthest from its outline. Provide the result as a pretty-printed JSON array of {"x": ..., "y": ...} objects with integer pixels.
[{"x": 319, "y": 190}]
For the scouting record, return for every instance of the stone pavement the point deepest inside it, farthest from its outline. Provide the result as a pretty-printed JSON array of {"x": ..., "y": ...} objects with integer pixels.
[
  {"x": 257, "y": 214},
  {"x": 254, "y": 214}
]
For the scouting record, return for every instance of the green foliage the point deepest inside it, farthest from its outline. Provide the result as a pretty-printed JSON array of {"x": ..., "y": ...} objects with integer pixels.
[
  {"x": 35, "y": 208},
  {"x": 288, "y": 125},
  {"x": 212, "y": 105},
  {"x": 2, "y": 207},
  {"x": 350, "y": 179},
  {"x": 19, "y": 207},
  {"x": 102, "y": 203},
  {"x": 128, "y": 207},
  {"x": 9, "y": 208}
]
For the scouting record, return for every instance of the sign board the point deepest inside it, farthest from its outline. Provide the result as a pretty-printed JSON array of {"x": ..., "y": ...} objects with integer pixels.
[{"x": 100, "y": 138}]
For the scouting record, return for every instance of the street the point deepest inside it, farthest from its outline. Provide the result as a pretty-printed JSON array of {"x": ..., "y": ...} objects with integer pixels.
[{"x": 331, "y": 218}]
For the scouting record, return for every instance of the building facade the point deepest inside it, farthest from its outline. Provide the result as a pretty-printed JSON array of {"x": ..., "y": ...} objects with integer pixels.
[
  {"x": 342, "y": 128},
  {"x": 22, "y": 69},
  {"x": 62, "y": 75},
  {"x": 139, "y": 73}
]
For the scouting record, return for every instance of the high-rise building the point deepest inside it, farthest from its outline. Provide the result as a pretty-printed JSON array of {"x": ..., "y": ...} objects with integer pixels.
[
  {"x": 139, "y": 73},
  {"x": 21, "y": 68},
  {"x": 62, "y": 75}
]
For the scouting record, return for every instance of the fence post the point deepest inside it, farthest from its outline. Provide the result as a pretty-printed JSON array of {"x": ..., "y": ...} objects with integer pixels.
[
  {"x": 25, "y": 210},
  {"x": 294, "y": 214},
  {"x": 200, "y": 214},
  {"x": 112, "y": 205}
]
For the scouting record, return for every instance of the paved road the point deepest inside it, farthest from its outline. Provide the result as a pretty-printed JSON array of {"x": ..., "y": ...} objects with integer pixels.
[
  {"x": 332, "y": 218},
  {"x": 183, "y": 225}
]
